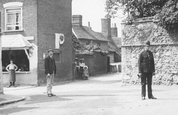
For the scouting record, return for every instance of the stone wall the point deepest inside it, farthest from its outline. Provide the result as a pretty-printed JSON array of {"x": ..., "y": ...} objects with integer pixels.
[{"x": 163, "y": 45}]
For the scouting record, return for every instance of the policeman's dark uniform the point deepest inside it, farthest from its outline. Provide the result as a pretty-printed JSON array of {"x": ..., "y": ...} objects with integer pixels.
[{"x": 146, "y": 67}]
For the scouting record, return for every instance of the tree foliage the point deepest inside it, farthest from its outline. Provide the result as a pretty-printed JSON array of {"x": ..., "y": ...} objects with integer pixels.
[
  {"x": 169, "y": 15},
  {"x": 165, "y": 10}
]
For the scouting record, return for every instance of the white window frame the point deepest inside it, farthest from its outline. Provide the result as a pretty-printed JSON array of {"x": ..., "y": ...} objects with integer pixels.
[{"x": 13, "y": 5}]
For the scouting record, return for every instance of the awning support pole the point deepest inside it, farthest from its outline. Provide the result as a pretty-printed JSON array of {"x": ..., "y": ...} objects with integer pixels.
[{"x": 27, "y": 54}]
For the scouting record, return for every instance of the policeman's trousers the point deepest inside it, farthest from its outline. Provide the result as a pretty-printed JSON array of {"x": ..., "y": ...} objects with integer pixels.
[{"x": 146, "y": 78}]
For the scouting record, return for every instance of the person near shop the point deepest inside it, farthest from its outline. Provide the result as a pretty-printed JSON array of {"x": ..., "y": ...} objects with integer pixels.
[
  {"x": 76, "y": 68},
  {"x": 83, "y": 70},
  {"x": 12, "y": 68},
  {"x": 146, "y": 69},
  {"x": 50, "y": 71}
]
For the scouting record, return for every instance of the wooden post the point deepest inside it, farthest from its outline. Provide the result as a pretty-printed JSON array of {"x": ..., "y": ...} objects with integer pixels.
[{"x": 1, "y": 78}]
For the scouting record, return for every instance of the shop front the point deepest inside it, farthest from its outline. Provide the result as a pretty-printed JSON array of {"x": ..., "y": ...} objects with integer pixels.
[{"x": 24, "y": 54}]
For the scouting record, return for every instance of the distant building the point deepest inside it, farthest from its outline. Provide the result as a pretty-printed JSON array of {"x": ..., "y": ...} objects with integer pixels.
[
  {"x": 30, "y": 28},
  {"x": 86, "y": 35},
  {"x": 111, "y": 34},
  {"x": 97, "y": 42}
]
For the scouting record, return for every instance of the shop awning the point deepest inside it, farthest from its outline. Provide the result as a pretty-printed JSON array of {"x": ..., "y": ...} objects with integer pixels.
[{"x": 14, "y": 42}]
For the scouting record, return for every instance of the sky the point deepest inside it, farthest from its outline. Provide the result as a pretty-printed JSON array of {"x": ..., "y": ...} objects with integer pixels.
[{"x": 92, "y": 11}]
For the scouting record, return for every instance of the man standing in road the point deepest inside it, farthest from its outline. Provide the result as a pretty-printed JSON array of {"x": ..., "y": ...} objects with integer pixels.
[
  {"x": 146, "y": 68},
  {"x": 50, "y": 71}
]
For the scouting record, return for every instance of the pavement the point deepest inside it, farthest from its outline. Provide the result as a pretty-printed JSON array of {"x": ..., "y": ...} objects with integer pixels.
[{"x": 10, "y": 98}]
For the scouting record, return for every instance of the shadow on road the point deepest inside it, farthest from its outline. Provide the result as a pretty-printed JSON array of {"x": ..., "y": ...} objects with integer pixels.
[{"x": 44, "y": 99}]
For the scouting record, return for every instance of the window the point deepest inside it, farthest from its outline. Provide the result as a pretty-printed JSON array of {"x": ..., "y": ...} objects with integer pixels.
[
  {"x": 99, "y": 43},
  {"x": 19, "y": 58},
  {"x": 13, "y": 16},
  {"x": 13, "y": 19},
  {"x": 57, "y": 55}
]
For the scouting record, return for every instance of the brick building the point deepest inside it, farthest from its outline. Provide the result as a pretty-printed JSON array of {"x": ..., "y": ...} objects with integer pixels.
[{"x": 29, "y": 28}]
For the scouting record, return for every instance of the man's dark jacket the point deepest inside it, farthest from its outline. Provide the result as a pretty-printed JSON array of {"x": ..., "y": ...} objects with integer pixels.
[
  {"x": 146, "y": 62},
  {"x": 50, "y": 65}
]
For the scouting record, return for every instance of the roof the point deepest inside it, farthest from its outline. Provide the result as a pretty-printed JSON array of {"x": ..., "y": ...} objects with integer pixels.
[
  {"x": 84, "y": 32},
  {"x": 115, "y": 45},
  {"x": 117, "y": 41},
  {"x": 112, "y": 47},
  {"x": 78, "y": 47},
  {"x": 14, "y": 42}
]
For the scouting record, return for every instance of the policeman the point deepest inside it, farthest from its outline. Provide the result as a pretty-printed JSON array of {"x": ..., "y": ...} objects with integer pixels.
[{"x": 146, "y": 68}]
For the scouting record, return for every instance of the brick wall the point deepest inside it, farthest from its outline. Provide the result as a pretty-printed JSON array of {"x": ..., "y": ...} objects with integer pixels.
[
  {"x": 163, "y": 45},
  {"x": 42, "y": 19},
  {"x": 54, "y": 16},
  {"x": 97, "y": 63},
  {"x": 29, "y": 18},
  {"x": 29, "y": 14}
]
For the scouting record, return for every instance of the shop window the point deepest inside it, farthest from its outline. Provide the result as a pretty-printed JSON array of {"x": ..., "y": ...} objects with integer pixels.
[
  {"x": 13, "y": 16},
  {"x": 19, "y": 58}
]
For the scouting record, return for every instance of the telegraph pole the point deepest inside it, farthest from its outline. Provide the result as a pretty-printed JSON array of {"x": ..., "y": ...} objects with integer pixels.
[{"x": 1, "y": 78}]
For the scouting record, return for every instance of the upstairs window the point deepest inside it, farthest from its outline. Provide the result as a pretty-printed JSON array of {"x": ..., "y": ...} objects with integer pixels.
[{"x": 13, "y": 16}]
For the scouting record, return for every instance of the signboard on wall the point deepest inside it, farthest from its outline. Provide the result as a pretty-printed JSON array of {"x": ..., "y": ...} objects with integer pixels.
[
  {"x": 59, "y": 39},
  {"x": 57, "y": 45}
]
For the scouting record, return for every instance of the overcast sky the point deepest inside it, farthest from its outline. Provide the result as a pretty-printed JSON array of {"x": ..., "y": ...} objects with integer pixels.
[{"x": 92, "y": 11}]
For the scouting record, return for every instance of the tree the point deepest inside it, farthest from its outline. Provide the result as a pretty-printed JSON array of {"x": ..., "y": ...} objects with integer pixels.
[
  {"x": 165, "y": 10},
  {"x": 169, "y": 15}
]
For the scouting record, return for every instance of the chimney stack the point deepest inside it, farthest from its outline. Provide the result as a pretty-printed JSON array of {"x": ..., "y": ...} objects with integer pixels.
[
  {"x": 106, "y": 27},
  {"x": 77, "y": 20},
  {"x": 114, "y": 31},
  {"x": 89, "y": 25}
]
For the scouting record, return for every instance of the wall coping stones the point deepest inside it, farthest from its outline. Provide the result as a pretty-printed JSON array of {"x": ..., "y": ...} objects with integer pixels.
[
  {"x": 138, "y": 45},
  {"x": 142, "y": 20}
]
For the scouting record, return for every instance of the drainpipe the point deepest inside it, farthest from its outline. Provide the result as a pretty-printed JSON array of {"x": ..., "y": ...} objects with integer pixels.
[
  {"x": 1, "y": 78},
  {"x": 89, "y": 25}
]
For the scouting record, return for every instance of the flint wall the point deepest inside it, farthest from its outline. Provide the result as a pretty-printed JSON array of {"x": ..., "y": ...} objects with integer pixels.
[{"x": 164, "y": 46}]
